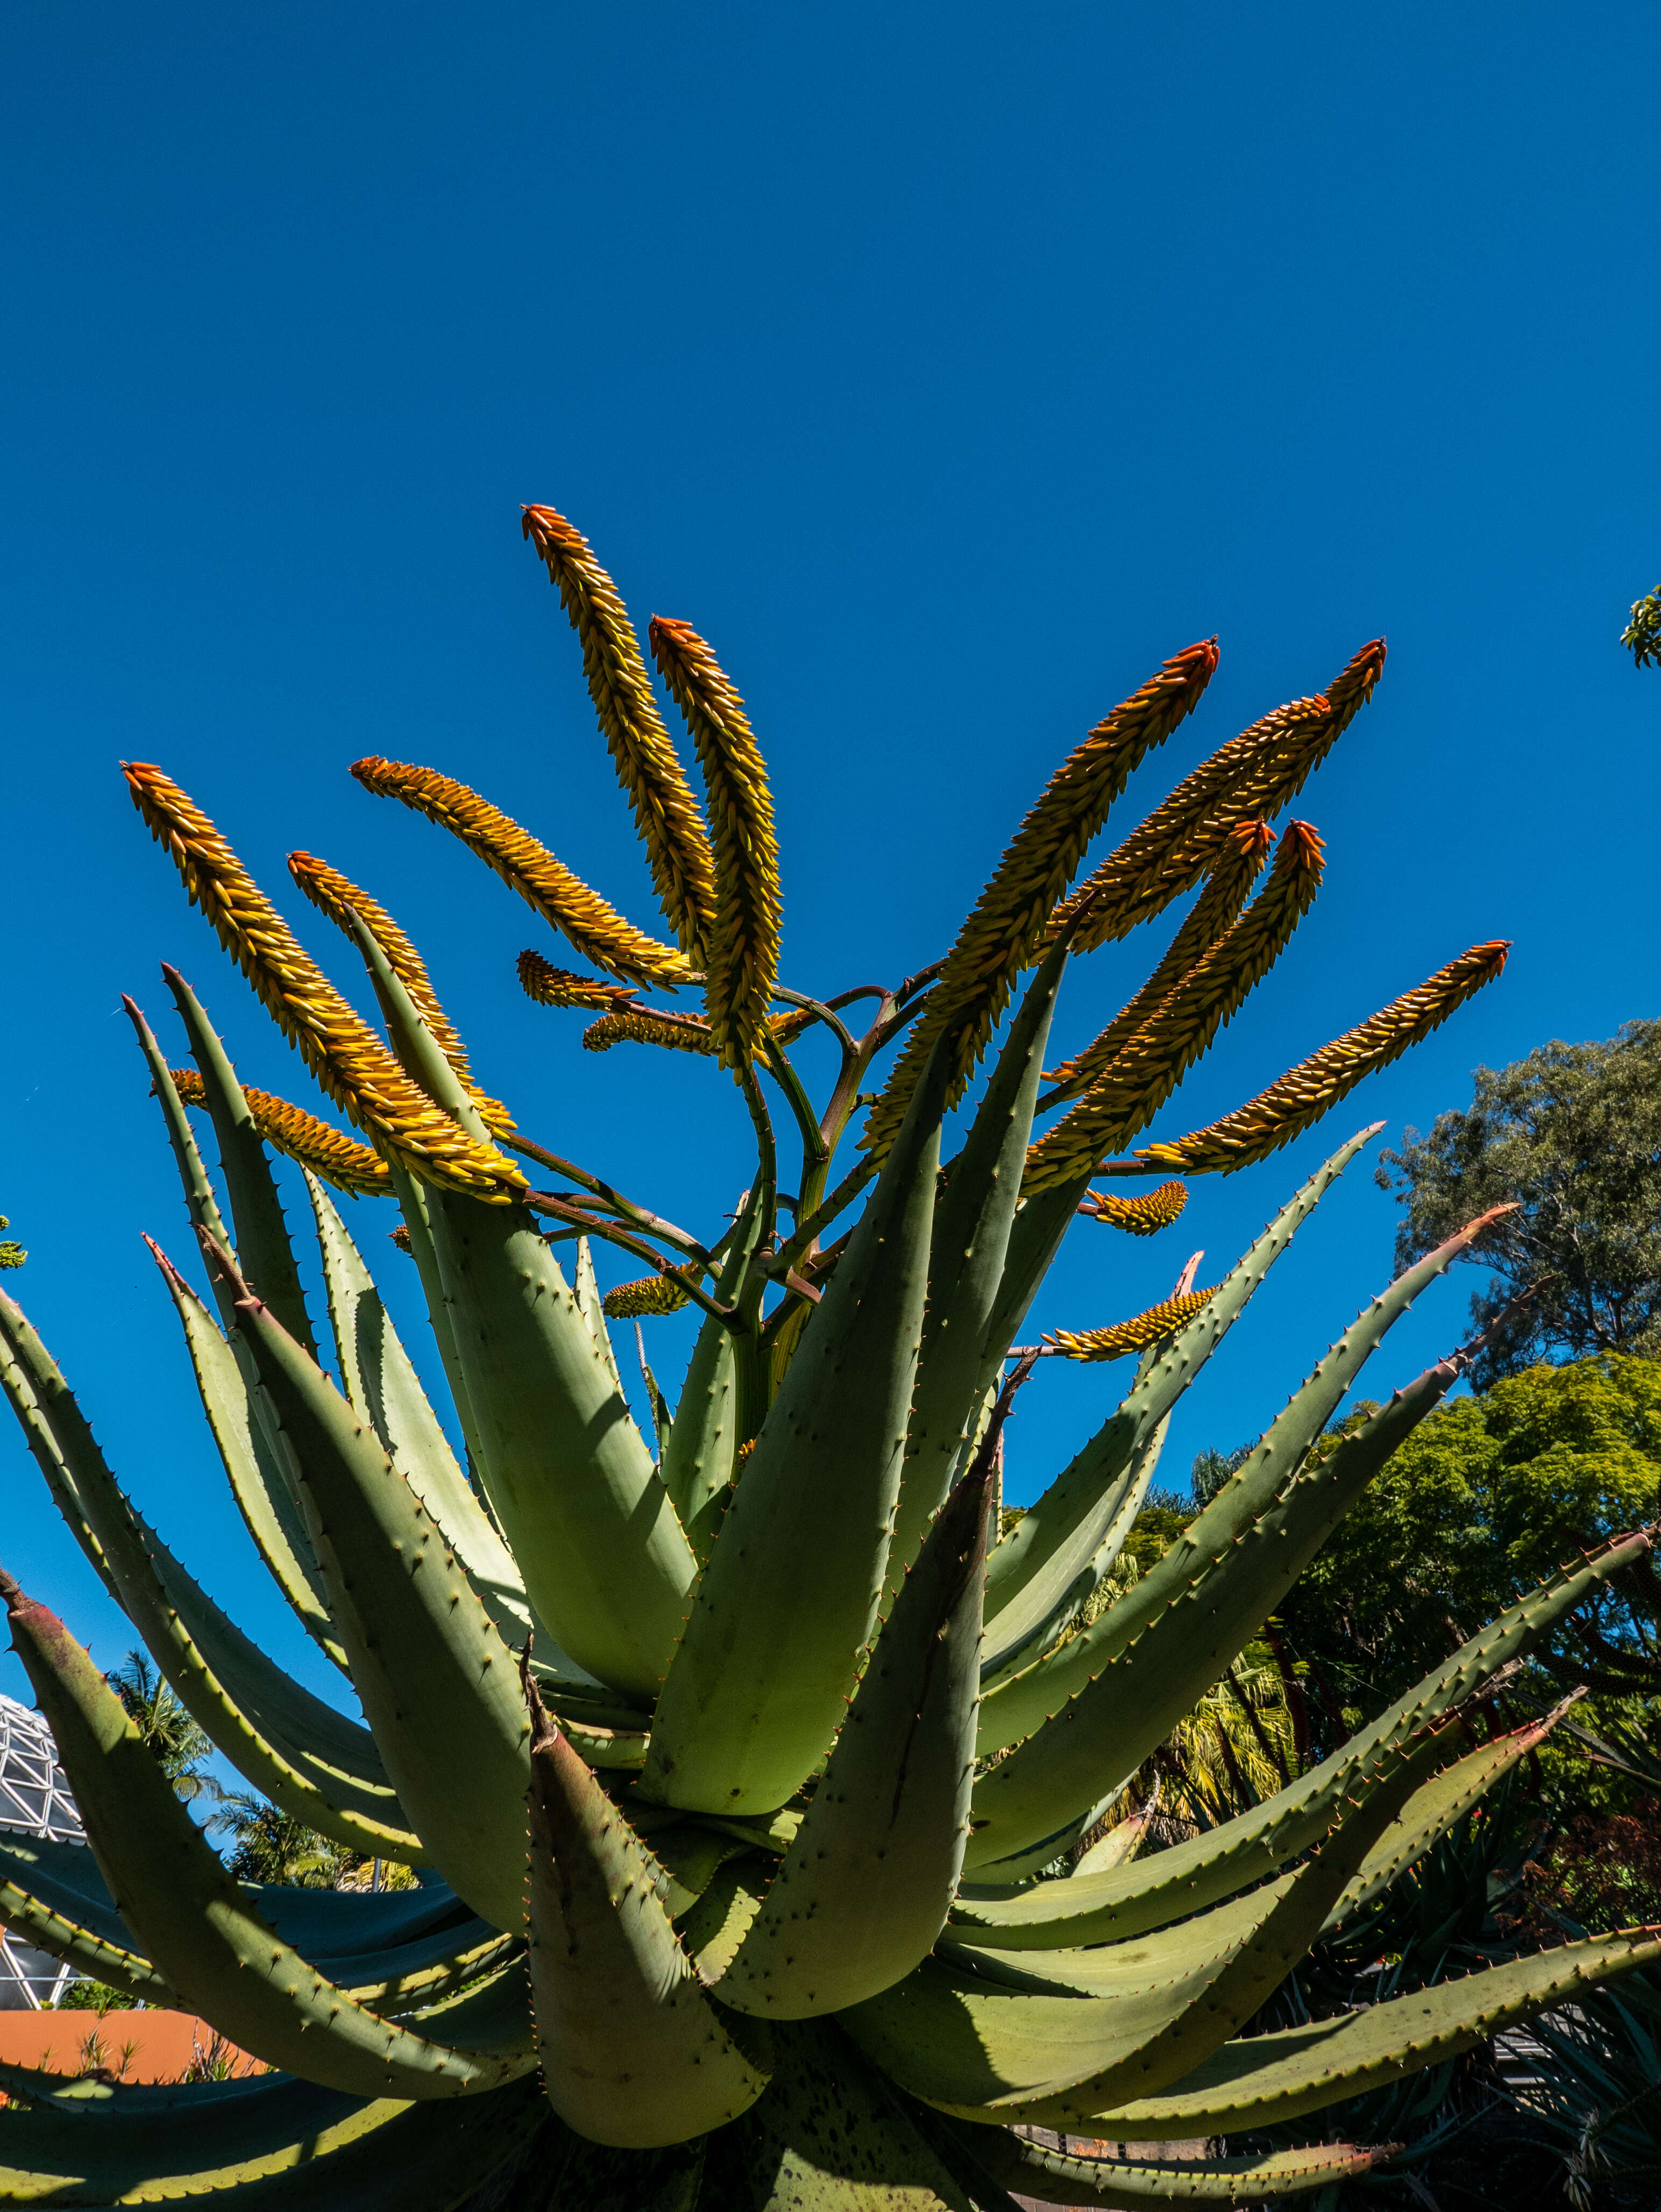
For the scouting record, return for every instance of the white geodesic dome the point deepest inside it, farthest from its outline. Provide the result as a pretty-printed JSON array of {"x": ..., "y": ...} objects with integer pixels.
[{"x": 34, "y": 1801}]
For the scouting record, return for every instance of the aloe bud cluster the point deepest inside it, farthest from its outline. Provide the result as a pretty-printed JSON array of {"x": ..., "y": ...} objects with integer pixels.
[{"x": 747, "y": 1758}]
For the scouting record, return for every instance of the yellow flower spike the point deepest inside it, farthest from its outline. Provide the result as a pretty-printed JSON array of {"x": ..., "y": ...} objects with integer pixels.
[
  {"x": 1302, "y": 1095},
  {"x": 549, "y": 986},
  {"x": 676, "y": 1033},
  {"x": 1133, "y": 1335},
  {"x": 1244, "y": 850},
  {"x": 595, "y": 927},
  {"x": 1258, "y": 772},
  {"x": 340, "y": 899},
  {"x": 1131, "y": 1090},
  {"x": 1139, "y": 1216},
  {"x": 646, "y": 1295},
  {"x": 1009, "y": 922},
  {"x": 665, "y": 812},
  {"x": 742, "y": 950},
  {"x": 341, "y": 1052},
  {"x": 329, "y": 1153}
]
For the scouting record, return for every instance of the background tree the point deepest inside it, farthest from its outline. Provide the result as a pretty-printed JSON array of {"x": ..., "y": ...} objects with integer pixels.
[
  {"x": 1488, "y": 1495},
  {"x": 1573, "y": 1134},
  {"x": 182, "y": 1749},
  {"x": 1642, "y": 635}
]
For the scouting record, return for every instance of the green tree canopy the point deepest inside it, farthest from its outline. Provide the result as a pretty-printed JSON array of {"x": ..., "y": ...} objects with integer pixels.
[
  {"x": 1485, "y": 1499},
  {"x": 1571, "y": 1135},
  {"x": 182, "y": 1749},
  {"x": 1642, "y": 635}
]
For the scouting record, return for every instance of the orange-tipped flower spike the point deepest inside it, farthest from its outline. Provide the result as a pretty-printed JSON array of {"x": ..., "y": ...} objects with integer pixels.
[
  {"x": 1258, "y": 772},
  {"x": 1133, "y": 1335},
  {"x": 646, "y": 1294},
  {"x": 1126, "y": 1096},
  {"x": 1139, "y": 1216},
  {"x": 329, "y": 1153},
  {"x": 595, "y": 927},
  {"x": 1008, "y": 925},
  {"x": 741, "y": 958},
  {"x": 1302, "y": 1095},
  {"x": 665, "y": 812},
  {"x": 675, "y": 1033},
  {"x": 1240, "y": 862},
  {"x": 339, "y": 1047},
  {"x": 340, "y": 899},
  {"x": 549, "y": 986}
]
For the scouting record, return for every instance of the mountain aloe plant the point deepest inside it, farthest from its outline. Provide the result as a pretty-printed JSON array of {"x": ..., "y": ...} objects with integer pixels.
[{"x": 748, "y": 1772}]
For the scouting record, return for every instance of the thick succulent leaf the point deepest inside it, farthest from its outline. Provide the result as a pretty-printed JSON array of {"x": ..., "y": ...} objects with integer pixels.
[
  {"x": 586, "y": 1286},
  {"x": 1053, "y": 2177},
  {"x": 862, "y": 1893},
  {"x": 201, "y": 1203},
  {"x": 412, "y": 1197},
  {"x": 266, "y": 2144},
  {"x": 979, "y": 2033},
  {"x": 787, "y": 1603},
  {"x": 1059, "y": 1536},
  {"x": 306, "y": 1757},
  {"x": 1261, "y": 2081},
  {"x": 1097, "y": 1908},
  {"x": 266, "y": 1499},
  {"x": 1434, "y": 1808},
  {"x": 831, "y": 2136},
  {"x": 633, "y": 2052},
  {"x": 712, "y": 1929},
  {"x": 47, "y": 1898},
  {"x": 261, "y": 1230},
  {"x": 193, "y": 1921},
  {"x": 382, "y": 1385},
  {"x": 436, "y": 1681},
  {"x": 603, "y": 1558},
  {"x": 968, "y": 1248},
  {"x": 702, "y": 1447},
  {"x": 1092, "y": 1711}
]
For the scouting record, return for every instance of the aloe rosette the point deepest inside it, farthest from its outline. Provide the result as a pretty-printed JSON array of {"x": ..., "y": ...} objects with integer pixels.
[{"x": 743, "y": 1761}]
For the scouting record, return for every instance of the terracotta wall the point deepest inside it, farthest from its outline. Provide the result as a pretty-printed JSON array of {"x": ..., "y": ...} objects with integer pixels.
[{"x": 163, "y": 2044}]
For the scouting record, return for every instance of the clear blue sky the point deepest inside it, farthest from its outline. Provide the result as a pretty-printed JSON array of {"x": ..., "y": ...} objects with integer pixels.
[{"x": 948, "y": 368}]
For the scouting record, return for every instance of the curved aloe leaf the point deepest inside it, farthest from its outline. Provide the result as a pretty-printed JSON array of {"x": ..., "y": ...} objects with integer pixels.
[
  {"x": 864, "y": 1891},
  {"x": 266, "y": 1502},
  {"x": 1015, "y": 2162},
  {"x": 991, "y": 2036},
  {"x": 57, "y": 1913},
  {"x": 702, "y": 1447},
  {"x": 200, "y": 1201},
  {"x": 1082, "y": 1720},
  {"x": 968, "y": 1247},
  {"x": 1095, "y": 1908},
  {"x": 309, "y": 1759},
  {"x": 617, "y": 2002},
  {"x": 281, "y": 2144},
  {"x": 265, "y": 1252},
  {"x": 1060, "y": 1536},
  {"x": 1263, "y": 2080},
  {"x": 192, "y": 1919},
  {"x": 787, "y": 1604},
  {"x": 434, "y": 1677},
  {"x": 381, "y": 1384}
]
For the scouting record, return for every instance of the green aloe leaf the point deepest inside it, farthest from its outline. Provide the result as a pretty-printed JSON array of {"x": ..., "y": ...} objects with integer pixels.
[
  {"x": 617, "y": 2002},
  {"x": 1096, "y": 1908},
  {"x": 789, "y": 1599},
  {"x": 194, "y": 1924},
  {"x": 303, "y": 1754},
  {"x": 42, "y": 1899},
  {"x": 1264, "y": 2079},
  {"x": 272, "y": 2142},
  {"x": 1092, "y": 1711},
  {"x": 864, "y": 1891},
  {"x": 263, "y": 1249},
  {"x": 1015, "y": 2162},
  {"x": 436, "y": 1681},
  {"x": 702, "y": 1449},
  {"x": 968, "y": 1248},
  {"x": 1060, "y": 1535},
  {"x": 265, "y": 1499}
]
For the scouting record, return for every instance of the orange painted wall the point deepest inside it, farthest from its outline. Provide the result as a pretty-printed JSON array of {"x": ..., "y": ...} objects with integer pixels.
[{"x": 163, "y": 2043}]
